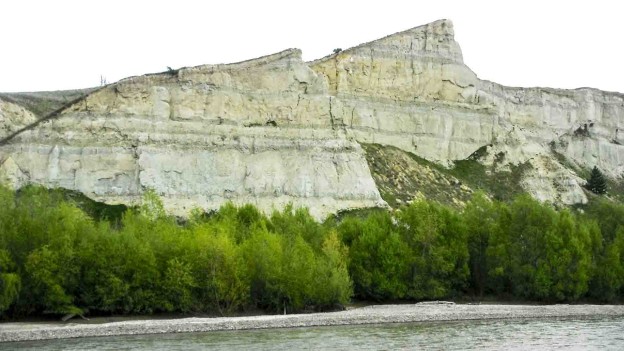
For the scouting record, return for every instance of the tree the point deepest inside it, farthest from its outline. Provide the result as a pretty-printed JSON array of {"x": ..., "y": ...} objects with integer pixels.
[
  {"x": 480, "y": 217},
  {"x": 518, "y": 251},
  {"x": 332, "y": 284},
  {"x": 597, "y": 182},
  {"x": 379, "y": 258},
  {"x": 10, "y": 282},
  {"x": 436, "y": 236}
]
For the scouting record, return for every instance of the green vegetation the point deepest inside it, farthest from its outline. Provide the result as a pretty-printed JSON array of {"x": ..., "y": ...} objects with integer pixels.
[
  {"x": 614, "y": 185},
  {"x": 616, "y": 188},
  {"x": 503, "y": 185},
  {"x": 56, "y": 259},
  {"x": 521, "y": 250},
  {"x": 597, "y": 182},
  {"x": 402, "y": 177}
]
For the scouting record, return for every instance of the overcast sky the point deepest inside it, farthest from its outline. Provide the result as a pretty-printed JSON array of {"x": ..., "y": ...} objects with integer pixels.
[{"x": 62, "y": 44}]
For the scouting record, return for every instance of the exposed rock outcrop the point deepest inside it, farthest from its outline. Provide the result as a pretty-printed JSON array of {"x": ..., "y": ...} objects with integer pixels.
[
  {"x": 276, "y": 129},
  {"x": 410, "y": 90},
  {"x": 13, "y": 117},
  {"x": 413, "y": 91},
  {"x": 254, "y": 132}
]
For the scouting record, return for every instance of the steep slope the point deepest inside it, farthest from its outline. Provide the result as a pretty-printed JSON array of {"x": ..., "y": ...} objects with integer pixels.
[
  {"x": 275, "y": 130},
  {"x": 412, "y": 90},
  {"x": 403, "y": 177},
  {"x": 255, "y": 132},
  {"x": 42, "y": 103}
]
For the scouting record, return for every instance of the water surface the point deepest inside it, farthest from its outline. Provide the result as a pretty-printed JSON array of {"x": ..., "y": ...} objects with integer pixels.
[{"x": 529, "y": 334}]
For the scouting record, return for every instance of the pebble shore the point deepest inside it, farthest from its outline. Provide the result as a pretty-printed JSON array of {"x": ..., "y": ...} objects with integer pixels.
[{"x": 423, "y": 312}]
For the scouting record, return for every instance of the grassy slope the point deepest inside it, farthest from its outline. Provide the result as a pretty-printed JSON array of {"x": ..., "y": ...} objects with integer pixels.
[
  {"x": 402, "y": 176},
  {"x": 42, "y": 103}
]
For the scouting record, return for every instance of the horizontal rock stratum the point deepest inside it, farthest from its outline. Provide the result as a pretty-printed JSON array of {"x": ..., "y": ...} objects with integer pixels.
[{"x": 277, "y": 130}]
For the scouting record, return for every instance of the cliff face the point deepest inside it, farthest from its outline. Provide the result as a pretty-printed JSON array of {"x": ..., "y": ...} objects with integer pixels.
[
  {"x": 255, "y": 132},
  {"x": 412, "y": 90},
  {"x": 275, "y": 129}
]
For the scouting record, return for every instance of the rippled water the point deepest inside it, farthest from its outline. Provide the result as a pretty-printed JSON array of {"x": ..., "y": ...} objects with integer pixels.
[{"x": 551, "y": 334}]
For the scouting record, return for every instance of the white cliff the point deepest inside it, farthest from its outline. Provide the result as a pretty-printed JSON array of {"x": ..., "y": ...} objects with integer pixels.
[
  {"x": 277, "y": 130},
  {"x": 254, "y": 132},
  {"x": 413, "y": 91}
]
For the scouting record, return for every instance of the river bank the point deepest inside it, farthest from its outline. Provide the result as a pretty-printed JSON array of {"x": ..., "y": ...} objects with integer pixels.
[{"x": 424, "y": 312}]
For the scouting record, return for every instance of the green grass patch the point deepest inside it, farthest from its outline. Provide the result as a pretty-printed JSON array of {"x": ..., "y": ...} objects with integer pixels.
[
  {"x": 402, "y": 177},
  {"x": 501, "y": 185}
]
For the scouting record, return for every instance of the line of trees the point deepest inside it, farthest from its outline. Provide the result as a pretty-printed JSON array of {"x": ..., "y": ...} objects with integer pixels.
[
  {"x": 56, "y": 259},
  {"x": 521, "y": 250}
]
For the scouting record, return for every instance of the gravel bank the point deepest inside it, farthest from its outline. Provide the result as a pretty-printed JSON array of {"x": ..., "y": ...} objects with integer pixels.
[{"x": 424, "y": 312}]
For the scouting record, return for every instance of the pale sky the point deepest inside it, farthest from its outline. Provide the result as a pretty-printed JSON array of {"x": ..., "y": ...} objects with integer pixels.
[{"x": 63, "y": 44}]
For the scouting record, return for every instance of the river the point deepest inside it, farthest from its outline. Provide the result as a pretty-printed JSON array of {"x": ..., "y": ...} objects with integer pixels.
[{"x": 604, "y": 333}]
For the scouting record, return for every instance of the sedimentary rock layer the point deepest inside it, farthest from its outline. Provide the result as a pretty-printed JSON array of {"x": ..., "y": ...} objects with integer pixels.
[
  {"x": 276, "y": 129},
  {"x": 254, "y": 132},
  {"x": 413, "y": 91}
]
